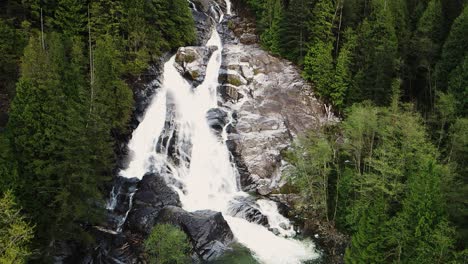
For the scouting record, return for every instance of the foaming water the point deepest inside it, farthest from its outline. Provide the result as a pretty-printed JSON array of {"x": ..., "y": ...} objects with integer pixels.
[
  {"x": 269, "y": 248},
  {"x": 199, "y": 168},
  {"x": 228, "y": 7},
  {"x": 275, "y": 219}
]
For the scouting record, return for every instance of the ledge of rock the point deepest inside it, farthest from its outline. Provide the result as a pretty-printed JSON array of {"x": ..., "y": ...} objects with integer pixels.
[{"x": 191, "y": 62}]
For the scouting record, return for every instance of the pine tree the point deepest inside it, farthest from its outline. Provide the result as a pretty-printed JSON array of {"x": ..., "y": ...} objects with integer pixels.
[
  {"x": 458, "y": 86},
  {"x": 378, "y": 55},
  {"x": 318, "y": 63},
  {"x": 454, "y": 50},
  {"x": 270, "y": 38},
  {"x": 342, "y": 81},
  {"x": 368, "y": 243},
  {"x": 294, "y": 33},
  {"x": 114, "y": 99},
  {"x": 70, "y": 17},
  {"x": 427, "y": 44}
]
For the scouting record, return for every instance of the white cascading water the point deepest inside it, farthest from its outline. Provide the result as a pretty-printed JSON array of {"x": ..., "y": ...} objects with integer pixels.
[{"x": 202, "y": 172}]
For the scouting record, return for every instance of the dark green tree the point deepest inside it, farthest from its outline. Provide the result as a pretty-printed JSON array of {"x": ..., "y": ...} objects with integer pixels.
[
  {"x": 70, "y": 17},
  {"x": 454, "y": 50}
]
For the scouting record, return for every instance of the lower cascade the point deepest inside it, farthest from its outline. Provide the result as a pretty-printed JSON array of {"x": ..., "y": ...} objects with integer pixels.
[{"x": 180, "y": 140}]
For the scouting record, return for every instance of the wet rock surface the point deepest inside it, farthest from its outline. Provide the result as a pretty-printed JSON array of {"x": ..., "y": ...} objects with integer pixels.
[
  {"x": 191, "y": 62},
  {"x": 152, "y": 196},
  {"x": 217, "y": 119},
  {"x": 245, "y": 207}
]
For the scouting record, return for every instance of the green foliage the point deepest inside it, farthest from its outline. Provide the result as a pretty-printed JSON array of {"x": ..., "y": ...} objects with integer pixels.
[
  {"x": 318, "y": 63},
  {"x": 457, "y": 186},
  {"x": 389, "y": 186},
  {"x": 318, "y": 67},
  {"x": 167, "y": 244},
  {"x": 12, "y": 42},
  {"x": 50, "y": 145},
  {"x": 176, "y": 30},
  {"x": 270, "y": 38},
  {"x": 311, "y": 159},
  {"x": 15, "y": 232},
  {"x": 458, "y": 86},
  {"x": 294, "y": 30},
  {"x": 342, "y": 80},
  {"x": 114, "y": 99},
  {"x": 379, "y": 44},
  {"x": 454, "y": 50},
  {"x": 70, "y": 17}
]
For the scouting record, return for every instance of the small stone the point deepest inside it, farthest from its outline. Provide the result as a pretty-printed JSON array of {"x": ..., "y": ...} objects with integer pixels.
[{"x": 274, "y": 231}]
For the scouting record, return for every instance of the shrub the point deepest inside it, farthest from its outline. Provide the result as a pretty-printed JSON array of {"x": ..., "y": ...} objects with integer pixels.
[{"x": 167, "y": 244}]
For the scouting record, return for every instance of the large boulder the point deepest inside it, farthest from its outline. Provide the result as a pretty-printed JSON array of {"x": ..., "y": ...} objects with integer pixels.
[
  {"x": 191, "y": 62},
  {"x": 152, "y": 196},
  {"x": 208, "y": 231}
]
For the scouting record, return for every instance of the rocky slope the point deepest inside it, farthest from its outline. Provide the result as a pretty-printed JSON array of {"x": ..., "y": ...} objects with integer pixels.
[{"x": 273, "y": 103}]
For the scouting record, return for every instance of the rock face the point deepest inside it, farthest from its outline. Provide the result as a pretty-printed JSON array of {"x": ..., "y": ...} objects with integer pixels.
[
  {"x": 209, "y": 232},
  {"x": 152, "y": 196},
  {"x": 191, "y": 62},
  {"x": 276, "y": 106}
]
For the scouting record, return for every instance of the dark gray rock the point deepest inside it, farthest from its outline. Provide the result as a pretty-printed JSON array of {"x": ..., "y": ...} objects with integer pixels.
[
  {"x": 245, "y": 207},
  {"x": 217, "y": 119},
  {"x": 152, "y": 196},
  {"x": 230, "y": 93},
  {"x": 203, "y": 24},
  {"x": 209, "y": 233}
]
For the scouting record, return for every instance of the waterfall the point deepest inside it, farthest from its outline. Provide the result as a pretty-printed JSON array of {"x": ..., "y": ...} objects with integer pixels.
[{"x": 200, "y": 168}]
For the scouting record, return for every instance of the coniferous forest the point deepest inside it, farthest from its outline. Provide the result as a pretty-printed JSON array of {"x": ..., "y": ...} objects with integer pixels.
[{"x": 391, "y": 175}]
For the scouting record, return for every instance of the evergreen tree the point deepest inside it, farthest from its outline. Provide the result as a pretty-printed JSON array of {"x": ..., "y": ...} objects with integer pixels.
[
  {"x": 294, "y": 33},
  {"x": 12, "y": 42},
  {"x": 458, "y": 86},
  {"x": 427, "y": 44},
  {"x": 70, "y": 17},
  {"x": 114, "y": 98},
  {"x": 318, "y": 64},
  {"x": 342, "y": 82},
  {"x": 15, "y": 232},
  {"x": 457, "y": 185},
  {"x": 378, "y": 55},
  {"x": 454, "y": 50},
  {"x": 368, "y": 243},
  {"x": 270, "y": 38}
]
